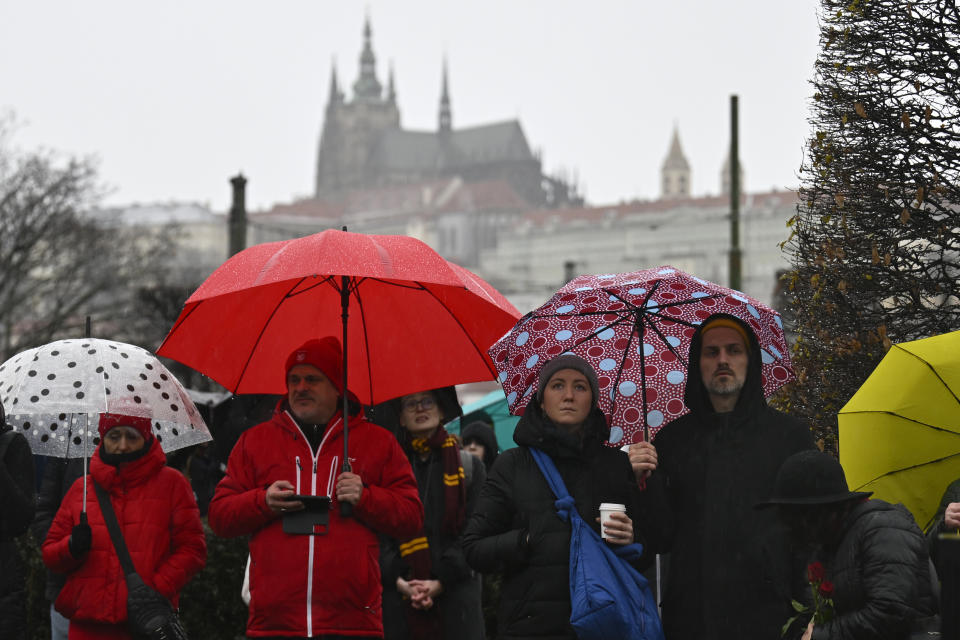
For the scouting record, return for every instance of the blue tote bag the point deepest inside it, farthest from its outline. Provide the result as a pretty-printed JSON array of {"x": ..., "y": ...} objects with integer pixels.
[{"x": 608, "y": 598}]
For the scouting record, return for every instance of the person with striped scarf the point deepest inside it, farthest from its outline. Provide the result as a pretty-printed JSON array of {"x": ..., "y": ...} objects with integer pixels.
[{"x": 429, "y": 590}]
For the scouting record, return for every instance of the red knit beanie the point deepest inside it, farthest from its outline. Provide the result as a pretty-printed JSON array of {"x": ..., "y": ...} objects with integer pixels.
[
  {"x": 325, "y": 354},
  {"x": 110, "y": 420}
]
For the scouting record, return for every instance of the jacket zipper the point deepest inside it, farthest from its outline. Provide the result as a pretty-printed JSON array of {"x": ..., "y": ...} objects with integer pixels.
[{"x": 313, "y": 492}]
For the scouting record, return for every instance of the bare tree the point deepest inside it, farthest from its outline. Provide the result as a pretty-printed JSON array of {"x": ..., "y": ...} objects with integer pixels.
[
  {"x": 60, "y": 264},
  {"x": 875, "y": 242}
]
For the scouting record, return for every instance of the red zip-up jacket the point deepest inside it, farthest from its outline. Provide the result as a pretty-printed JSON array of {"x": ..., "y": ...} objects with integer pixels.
[
  {"x": 307, "y": 585},
  {"x": 161, "y": 526}
]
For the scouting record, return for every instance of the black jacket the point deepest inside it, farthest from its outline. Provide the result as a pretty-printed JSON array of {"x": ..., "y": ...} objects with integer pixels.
[
  {"x": 535, "y": 596},
  {"x": 880, "y": 573},
  {"x": 730, "y": 567},
  {"x": 16, "y": 511},
  {"x": 462, "y": 616},
  {"x": 59, "y": 474}
]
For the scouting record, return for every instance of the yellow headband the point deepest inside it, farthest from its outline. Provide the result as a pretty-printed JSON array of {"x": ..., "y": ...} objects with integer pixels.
[{"x": 717, "y": 323}]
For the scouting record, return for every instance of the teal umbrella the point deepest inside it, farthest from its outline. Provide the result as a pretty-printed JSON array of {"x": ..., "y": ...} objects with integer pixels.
[{"x": 494, "y": 404}]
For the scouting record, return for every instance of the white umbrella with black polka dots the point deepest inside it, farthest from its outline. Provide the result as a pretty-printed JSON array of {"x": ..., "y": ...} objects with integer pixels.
[{"x": 54, "y": 395}]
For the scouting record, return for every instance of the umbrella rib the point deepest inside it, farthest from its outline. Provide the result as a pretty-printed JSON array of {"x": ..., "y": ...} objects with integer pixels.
[
  {"x": 613, "y": 324},
  {"x": 897, "y": 415},
  {"x": 326, "y": 280},
  {"x": 480, "y": 352},
  {"x": 663, "y": 338},
  {"x": 183, "y": 319},
  {"x": 366, "y": 339},
  {"x": 263, "y": 330},
  {"x": 935, "y": 373},
  {"x": 911, "y": 467}
]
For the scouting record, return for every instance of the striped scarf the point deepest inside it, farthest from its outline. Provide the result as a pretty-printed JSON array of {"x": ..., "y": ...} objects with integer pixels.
[{"x": 416, "y": 550}]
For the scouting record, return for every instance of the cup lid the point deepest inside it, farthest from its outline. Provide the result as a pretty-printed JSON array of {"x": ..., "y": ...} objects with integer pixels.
[{"x": 613, "y": 506}]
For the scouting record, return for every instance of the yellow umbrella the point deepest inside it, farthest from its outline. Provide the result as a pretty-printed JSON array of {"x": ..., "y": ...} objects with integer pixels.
[{"x": 900, "y": 432}]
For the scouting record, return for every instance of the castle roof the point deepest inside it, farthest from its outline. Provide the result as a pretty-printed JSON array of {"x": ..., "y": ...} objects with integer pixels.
[{"x": 400, "y": 149}]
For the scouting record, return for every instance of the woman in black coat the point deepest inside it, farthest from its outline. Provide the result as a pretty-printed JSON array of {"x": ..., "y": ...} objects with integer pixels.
[
  {"x": 16, "y": 511},
  {"x": 429, "y": 591},
  {"x": 515, "y": 527}
]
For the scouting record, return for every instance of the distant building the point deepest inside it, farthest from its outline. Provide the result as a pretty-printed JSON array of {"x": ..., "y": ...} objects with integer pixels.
[
  {"x": 364, "y": 146},
  {"x": 533, "y": 259}
]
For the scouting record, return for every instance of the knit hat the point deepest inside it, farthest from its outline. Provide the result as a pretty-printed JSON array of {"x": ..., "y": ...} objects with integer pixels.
[
  {"x": 325, "y": 354},
  {"x": 809, "y": 478},
  {"x": 110, "y": 420},
  {"x": 568, "y": 361},
  {"x": 728, "y": 323}
]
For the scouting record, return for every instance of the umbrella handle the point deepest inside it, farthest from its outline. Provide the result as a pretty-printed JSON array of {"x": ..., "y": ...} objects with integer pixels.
[
  {"x": 83, "y": 517},
  {"x": 346, "y": 508}
]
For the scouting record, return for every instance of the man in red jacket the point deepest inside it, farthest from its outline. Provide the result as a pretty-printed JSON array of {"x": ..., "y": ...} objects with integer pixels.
[{"x": 325, "y": 585}]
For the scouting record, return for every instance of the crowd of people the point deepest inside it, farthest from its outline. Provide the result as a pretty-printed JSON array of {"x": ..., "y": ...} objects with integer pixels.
[{"x": 405, "y": 536}]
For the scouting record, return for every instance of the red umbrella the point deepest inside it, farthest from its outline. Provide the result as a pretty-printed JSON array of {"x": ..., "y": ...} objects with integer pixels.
[
  {"x": 635, "y": 330},
  {"x": 409, "y": 320}
]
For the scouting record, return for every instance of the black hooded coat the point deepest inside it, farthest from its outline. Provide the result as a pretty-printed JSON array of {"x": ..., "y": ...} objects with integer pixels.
[
  {"x": 730, "y": 565},
  {"x": 16, "y": 512},
  {"x": 516, "y": 500}
]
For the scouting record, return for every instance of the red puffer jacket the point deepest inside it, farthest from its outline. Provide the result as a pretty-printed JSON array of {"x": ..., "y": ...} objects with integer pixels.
[
  {"x": 161, "y": 526},
  {"x": 307, "y": 585}
]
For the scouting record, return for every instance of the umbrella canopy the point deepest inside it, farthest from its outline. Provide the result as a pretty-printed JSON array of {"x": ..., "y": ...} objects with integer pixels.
[
  {"x": 54, "y": 395},
  {"x": 900, "y": 432},
  {"x": 414, "y": 320},
  {"x": 635, "y": 330}
]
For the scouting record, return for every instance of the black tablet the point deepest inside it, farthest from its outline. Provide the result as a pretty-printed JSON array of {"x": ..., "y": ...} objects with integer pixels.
[{"x": 313, "y": 503}]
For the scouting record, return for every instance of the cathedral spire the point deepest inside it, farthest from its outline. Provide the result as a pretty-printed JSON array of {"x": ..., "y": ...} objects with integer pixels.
[
  {"x": 391, "y": 87},
  {"x": 367, "y": 87},
  {"x": 334, "y": 94},
  {"x": 446, "y": 118},
  {"x": 675, "y": 171}
]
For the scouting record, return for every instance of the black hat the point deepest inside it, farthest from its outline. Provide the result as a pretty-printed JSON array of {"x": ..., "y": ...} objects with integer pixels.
[
  {"x": 811, "y": 478},
  {"x": 568, "y": 361}
]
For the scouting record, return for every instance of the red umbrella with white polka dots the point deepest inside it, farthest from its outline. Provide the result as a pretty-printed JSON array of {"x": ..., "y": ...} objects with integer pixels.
[{"x": 635, "y": 330}]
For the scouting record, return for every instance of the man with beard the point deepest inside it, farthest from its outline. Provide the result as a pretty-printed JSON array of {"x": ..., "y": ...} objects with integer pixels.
[{"x": 729, "y": 565}]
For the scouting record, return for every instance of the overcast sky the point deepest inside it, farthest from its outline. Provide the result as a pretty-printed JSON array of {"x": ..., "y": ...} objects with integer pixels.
[{"x": 175, "y": 97}]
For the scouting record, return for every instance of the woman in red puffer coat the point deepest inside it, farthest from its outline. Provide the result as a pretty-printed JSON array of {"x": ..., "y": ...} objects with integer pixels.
[{"x": 159, "y": 519}]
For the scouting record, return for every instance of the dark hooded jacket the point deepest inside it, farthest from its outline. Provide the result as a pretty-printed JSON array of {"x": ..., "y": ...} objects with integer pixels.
[
  {"x": 729, "y": 566},
  {"x": 485, "y": 435},
  {"x": 16, "y": 512},
  {"x": 880, "y": 572},
  {"x": 516, "y": 501}
]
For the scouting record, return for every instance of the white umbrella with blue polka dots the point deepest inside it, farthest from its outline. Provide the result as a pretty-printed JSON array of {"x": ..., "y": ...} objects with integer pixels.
[{"x": 54, "y": 395}]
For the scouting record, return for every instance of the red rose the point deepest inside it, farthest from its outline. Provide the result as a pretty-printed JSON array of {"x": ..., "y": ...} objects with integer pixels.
[
  {"x": 826, "y": 589},
  {"x": 815, "y": 572}
]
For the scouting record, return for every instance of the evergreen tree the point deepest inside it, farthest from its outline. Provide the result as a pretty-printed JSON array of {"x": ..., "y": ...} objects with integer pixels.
[{"x": 875, "y": 243}]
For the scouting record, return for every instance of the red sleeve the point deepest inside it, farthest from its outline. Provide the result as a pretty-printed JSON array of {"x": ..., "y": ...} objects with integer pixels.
[
  {"x": 239, "y": 507},
  {"x": 188, "y": 544},
  {"x": 55, "y": 549},
  {"x": 392, "y": 506}
]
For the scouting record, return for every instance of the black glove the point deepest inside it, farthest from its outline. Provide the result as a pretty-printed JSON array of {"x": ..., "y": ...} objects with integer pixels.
[{"x": 81, "y": 538}]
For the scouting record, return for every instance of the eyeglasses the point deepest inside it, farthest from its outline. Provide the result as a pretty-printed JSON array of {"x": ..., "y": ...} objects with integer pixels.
[{"x": 412, "y": 404}]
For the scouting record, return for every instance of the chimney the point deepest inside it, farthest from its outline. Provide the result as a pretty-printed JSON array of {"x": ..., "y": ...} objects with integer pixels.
[{"x": 238, "y": 215}]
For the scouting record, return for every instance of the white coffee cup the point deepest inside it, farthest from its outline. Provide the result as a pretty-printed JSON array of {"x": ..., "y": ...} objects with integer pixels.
[{"x": 605, "y": 510}]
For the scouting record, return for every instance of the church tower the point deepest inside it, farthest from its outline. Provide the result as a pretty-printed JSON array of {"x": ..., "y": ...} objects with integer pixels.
[
  {"x": 675, "y": 171},
  {"x": 351, "y": 129}
]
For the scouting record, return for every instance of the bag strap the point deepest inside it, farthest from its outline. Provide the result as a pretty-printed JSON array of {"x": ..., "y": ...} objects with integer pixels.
[
  {"x": 565, "y": 504},
  {"x": 549, "y": 471},
  {"x": 110, "y": 518}
]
